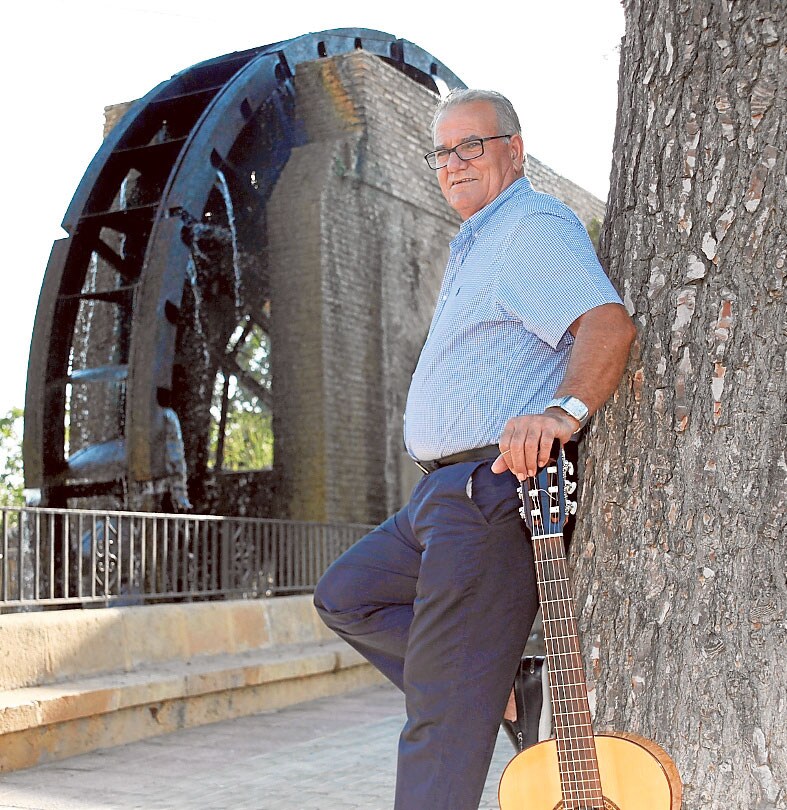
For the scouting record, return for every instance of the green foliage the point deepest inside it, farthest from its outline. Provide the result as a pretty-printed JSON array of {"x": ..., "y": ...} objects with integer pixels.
[
  {"x": 11, "y": 471},
  {"x": 248, "y": 429},
  {"x": 248, "y": 441},
  {"x": 594, "y": 231}
]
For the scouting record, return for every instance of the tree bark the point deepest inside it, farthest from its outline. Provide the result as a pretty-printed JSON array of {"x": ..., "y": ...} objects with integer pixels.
[{"x": 679, "y": 556}]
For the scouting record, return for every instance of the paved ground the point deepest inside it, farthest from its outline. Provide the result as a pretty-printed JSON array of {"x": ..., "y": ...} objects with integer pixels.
[{"x": 330, "y": 754}]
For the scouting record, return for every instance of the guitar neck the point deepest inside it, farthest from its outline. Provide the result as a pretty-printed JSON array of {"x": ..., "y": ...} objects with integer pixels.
[
  {"x": 579, "y": 774},
  {"x": 544, "y": 510}
]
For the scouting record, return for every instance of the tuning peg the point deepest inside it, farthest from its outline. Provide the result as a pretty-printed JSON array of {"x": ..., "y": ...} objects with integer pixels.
[
  {"x": 571, "y": 507},
  {"x": 569, "y": 467},
  {"x": 570, "y": 487}
]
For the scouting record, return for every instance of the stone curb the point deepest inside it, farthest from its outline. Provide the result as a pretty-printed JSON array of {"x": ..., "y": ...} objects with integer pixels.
[{"x": 250, "y": 657}]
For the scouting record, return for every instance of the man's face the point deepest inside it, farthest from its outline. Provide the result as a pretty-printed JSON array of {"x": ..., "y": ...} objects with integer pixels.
[{"x": 469, "y": 185}]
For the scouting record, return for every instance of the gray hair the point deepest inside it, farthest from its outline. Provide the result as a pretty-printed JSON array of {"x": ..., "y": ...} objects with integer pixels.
[{"x": 507, "y": 119}]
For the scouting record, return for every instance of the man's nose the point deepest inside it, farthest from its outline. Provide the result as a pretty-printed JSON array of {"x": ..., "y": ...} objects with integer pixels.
[{"x": 455, "y": 162}]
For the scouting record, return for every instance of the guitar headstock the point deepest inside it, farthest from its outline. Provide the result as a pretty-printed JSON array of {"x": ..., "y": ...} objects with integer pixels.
[{"x": 545, "y": 508}]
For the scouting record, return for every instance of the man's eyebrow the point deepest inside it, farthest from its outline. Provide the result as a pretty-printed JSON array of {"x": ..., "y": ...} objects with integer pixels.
[{"x": 439, "y": 146}]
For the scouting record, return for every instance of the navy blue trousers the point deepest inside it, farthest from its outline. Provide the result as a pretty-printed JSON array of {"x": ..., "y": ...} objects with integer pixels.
[{"x": 441, "y": 598}]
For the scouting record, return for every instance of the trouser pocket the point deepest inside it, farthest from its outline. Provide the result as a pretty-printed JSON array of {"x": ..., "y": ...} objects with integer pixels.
[{"x": 494, "y": 494}]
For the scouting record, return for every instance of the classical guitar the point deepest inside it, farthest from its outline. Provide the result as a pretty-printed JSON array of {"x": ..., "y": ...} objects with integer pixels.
[{"x": 576, "y": 769}]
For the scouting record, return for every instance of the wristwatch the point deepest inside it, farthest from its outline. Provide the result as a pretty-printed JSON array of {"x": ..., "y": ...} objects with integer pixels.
[{"x": 573, "y": 407}]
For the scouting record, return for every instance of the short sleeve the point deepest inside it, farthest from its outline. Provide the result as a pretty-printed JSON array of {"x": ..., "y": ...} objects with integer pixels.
[{"x": 549, "y": 274}]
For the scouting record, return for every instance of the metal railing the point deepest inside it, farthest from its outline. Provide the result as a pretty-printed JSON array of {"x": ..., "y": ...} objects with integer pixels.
[{"x": 74, "y": 557}]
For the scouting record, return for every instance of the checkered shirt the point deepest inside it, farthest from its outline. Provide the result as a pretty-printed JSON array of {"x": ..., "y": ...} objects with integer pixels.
[{"x": 520, "y": 272}]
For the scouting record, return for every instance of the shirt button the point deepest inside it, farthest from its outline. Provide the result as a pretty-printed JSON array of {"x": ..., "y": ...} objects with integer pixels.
[{"x": 445, "y": 298}]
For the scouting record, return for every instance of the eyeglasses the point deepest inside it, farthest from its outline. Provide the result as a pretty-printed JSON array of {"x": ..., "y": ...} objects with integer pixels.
[{"x": 469, "y": 150}]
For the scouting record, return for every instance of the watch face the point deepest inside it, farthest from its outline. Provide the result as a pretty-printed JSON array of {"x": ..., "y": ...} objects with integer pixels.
[
  {"x": 576, "y": 408},
  {"x": 573, "y": 407}
]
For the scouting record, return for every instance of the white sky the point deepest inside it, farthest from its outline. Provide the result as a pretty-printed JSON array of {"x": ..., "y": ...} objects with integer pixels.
[{"x": 63, "y": 60}]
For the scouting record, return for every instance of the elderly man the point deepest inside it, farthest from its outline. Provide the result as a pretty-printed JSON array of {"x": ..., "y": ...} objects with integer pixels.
[{"x": 528, "y": 339}]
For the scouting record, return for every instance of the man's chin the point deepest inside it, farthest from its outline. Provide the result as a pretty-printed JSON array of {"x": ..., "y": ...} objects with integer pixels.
[{"x": 463, "y": 203}]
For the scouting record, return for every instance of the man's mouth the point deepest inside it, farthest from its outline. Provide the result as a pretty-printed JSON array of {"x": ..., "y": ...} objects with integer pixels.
[{"x": 463, "y": 180}]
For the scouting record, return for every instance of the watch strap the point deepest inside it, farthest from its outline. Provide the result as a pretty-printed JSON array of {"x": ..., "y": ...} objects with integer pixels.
[{"x": 573, "y": 406}]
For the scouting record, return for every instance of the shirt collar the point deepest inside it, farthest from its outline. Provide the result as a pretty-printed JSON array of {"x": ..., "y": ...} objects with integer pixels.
[{"x": 472, "y": 225}]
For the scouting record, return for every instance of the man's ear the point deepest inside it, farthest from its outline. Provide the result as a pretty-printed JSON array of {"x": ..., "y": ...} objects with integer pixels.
[{"x": 517, "y": 151}]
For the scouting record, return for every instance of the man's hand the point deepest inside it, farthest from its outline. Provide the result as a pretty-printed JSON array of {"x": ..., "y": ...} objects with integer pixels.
[
  {"x": 602, "y": 339},
  {"x": 526, "y": 441}
]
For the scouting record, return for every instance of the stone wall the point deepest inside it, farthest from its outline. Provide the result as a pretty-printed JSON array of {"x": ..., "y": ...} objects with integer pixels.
[
  {"x": 358, "y": 236},
  {"x": 587, "y": 207}
]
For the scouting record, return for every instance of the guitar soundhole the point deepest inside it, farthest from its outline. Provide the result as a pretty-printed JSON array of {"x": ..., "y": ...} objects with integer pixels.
[{"x": 608, "y": 805}]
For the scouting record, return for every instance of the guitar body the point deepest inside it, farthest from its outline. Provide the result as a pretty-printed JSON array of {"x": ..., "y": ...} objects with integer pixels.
[
  {"x": 636, "y": 774},
  {"x": 578, "y": 769}
]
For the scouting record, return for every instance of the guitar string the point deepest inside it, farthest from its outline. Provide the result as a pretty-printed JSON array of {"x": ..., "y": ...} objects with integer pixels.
[
  {"x": 555, "y": 639},
  {"x": 576, "y": 782},
  {"x": 578, "y": 755},
  {"x": 588, "y": 785},
  {"x": 577, "y": 750},
  {"x": 584, "y": 784},
  {"x": 571, "y": 653}
]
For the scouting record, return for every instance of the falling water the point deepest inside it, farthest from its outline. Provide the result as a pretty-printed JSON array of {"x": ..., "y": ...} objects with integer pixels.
[
  {"x": 191, "y": 272},
  {"x": 90, "y": 285},
  {"x": 225, "y": 193}
]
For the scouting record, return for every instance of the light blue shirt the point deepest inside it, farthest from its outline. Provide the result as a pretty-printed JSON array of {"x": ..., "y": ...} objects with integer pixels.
[{"x": 520, "y": 272}]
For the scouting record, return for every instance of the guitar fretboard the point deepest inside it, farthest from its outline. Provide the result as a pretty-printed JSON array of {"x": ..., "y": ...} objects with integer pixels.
[{"x": 579, "y": 774}]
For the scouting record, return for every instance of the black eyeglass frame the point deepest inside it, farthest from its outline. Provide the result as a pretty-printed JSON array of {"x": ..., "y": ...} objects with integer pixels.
[{"x": 459, "y": 146}]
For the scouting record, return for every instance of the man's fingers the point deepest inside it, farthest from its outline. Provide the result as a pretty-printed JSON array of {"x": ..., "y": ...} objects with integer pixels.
[
  {"x": 500, "y": 464},
  {"x": 516, "y": 460},
  {"x": 526, "y": 444},
  {"x": 547, "y": 440},
  {"x": 532, "y": 450}
]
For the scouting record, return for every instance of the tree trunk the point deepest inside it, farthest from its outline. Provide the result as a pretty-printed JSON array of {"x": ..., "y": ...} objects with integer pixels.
[{"x": 679, "y": 556}]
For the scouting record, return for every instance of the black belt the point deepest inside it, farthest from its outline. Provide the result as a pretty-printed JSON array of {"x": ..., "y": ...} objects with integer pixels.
[{"x": 478, "y": 454}]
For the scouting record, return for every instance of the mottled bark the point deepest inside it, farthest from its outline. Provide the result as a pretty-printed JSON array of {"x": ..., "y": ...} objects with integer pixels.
[{"x": 679, "y": 557}]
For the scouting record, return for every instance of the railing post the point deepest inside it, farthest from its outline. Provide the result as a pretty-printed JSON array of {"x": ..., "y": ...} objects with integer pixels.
[
  {"x": 225, "y": 555},
  {"x": 47, "y": 556}
]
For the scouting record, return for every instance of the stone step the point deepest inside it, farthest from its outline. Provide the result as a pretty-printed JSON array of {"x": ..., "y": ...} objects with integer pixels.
[{"x": 119, "y": 695}]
